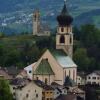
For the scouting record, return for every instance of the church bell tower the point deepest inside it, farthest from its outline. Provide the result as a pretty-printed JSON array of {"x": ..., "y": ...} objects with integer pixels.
[
  {"x": 36, "y": 22},
  {"x": 64, "y": 36}
]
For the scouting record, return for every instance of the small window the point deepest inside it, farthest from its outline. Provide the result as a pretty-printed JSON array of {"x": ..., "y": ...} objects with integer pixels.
[
  {"x": 14, "y": 93},
  {"x": 64, "y": 91},
  {"x": 70, "y": 40},
  {"x": 79, "y": 79},
  {"x": 46, "y": 81},
  {"x": 30, "y": 71},
  {"x": 43, "y": 93},
  {"x": 94, "y": 78},
  {"x": 98, "y": 78},
  {"x": 93, "y": 82},
  {"x": 62, "y": 29},
  {"x": 69, "y": 73},
  {"x": 27, "y": 95},
  {"x": 35, "y": 90},
  {"x": 88, "y": 82},
  {"x": 37, "y": 78},
  {"x": 65, "y": 73},
  {"x": 89, "y": 77},
  {"x": 13, "y": 88},
  {"x": 78, "y": 83},
  {"x": 36, "y": 95}
]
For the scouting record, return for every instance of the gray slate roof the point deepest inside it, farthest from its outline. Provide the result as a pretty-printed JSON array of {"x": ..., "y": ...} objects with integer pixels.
[{"x": 62, "y": 58}]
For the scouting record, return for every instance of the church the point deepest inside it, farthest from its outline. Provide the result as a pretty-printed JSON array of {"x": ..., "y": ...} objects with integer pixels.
[
  {"x": 56, "y": 64},
  {"x": 39, "y": 29}
]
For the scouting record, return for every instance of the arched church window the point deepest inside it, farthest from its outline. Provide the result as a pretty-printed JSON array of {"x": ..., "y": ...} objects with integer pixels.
[
  {"x": 70, "y": 40},
  {"x": 35, "y": 17},
  {"x": 65, "y": 73},
  {"x": 46, "y": 80},
  {"x": 62, "y": 29},
  {"x": 62, "y": 39},
  {"x": 69, "y": 73},
  {"x": 73, "y": 74}
]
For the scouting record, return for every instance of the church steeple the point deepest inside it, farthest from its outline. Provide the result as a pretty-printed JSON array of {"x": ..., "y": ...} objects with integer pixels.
[
  {"x": 64, "y": 19},
  {"x": 64, "y": 10},
  {"x": 64, "y": 37},
  {"x": 36, "y": 22}
]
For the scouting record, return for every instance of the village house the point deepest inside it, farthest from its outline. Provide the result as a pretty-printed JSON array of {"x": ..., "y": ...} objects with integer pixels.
[
  {"x": 93, "y": 78},
  {"x": 23, "y": 89},
  {"x": 81, "y": 78}
]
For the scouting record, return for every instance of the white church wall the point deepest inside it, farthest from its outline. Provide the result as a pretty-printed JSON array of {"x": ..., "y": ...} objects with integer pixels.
[
  {"x": 57, "y": 69},
  {"x": 71, "y": 72}
]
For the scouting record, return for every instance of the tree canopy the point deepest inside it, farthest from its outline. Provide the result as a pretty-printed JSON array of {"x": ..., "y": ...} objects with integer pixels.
[{"x": 5, "y": 93}]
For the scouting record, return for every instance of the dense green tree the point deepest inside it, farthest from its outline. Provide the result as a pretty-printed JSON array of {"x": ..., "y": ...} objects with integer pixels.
[
  {"x": 81, "y": 59},
  {"x": 2, "y": 35},
  {"x": 5, "y": 93},
  {"x": 90, "y": 35}
]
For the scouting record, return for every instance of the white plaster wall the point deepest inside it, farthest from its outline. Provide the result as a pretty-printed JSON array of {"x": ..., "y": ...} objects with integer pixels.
[
  {"x": 91, "y": 78},
  {"x": 31, "y": 89},
  {"x": 50, "y": 78},
  {"x": 66, "y": 30},
  {"x": 72, "y": 75},
  {"x": 57, "y": 69}
]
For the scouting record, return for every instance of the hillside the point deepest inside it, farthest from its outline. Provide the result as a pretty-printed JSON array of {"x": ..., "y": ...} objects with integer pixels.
[{"x": 16, "y": 15}]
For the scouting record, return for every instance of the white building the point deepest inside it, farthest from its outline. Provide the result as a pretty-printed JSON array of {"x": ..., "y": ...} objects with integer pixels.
[
  {"x": 29, "y": 91},
  {"x": 29, "y": 70},
  {"x": 81, "y": 78},
  {"x": 93, "y": 78}
]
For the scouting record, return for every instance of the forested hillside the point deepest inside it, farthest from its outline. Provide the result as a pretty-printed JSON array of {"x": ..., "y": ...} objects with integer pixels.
[
  {"x": 16, "y": 15},
  {"x": 22, "y": 50}
]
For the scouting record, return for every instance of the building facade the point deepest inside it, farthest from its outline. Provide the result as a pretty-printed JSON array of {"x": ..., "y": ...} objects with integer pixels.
[
  {"x": 93, "y": 78},
  {"x": 64, "y": 37},
  {"x": 56, "y": 64},
  {"x": 27, "y": 92},
  {"x": 39, "y": 29}
]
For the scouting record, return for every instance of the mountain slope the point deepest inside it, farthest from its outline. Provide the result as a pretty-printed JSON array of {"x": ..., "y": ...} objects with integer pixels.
[{"x": 15, "y": 13}]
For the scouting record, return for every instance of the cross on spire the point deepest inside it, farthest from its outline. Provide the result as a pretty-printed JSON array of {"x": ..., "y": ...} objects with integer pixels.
[
  {"x": 64, "y": 10},
  {"x": 65, "y": 1}
]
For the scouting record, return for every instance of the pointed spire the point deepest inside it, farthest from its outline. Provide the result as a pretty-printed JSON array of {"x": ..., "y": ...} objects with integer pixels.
[
  {"x": 64, "y": 10},
  {"x": 64, "y": 18}
]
